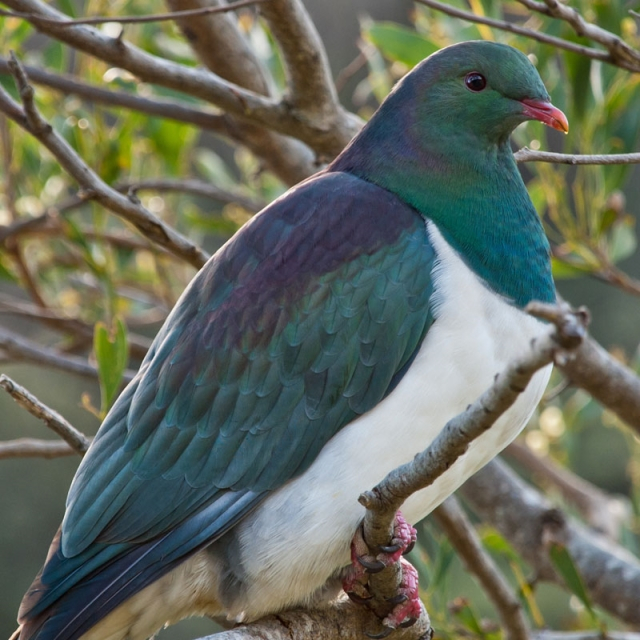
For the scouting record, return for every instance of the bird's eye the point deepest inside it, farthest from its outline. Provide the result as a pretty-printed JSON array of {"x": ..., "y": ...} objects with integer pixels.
[{"x": 475, "y": 81}]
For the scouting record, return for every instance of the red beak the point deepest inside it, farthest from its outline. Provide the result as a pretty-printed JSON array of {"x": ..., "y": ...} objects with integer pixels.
[{"x": 546, "y": 113}]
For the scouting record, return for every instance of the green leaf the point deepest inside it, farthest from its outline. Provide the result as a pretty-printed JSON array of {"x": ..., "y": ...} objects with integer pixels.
[
  {"x": 111, "y": 350},
  {"x": 399, "y": 43},
  {"x": 467, "y": 617},
  {"x": 562, "y": 269},
  {"x": 622, "y": 242},
  {"x": 495, "y": 543},
  {"x": 564, "y": 565}
]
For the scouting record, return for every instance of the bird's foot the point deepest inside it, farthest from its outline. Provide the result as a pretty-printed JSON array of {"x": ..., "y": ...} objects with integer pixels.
[
  {"x": 407, "y": 607},
  {"x": 355, "y": 582}
]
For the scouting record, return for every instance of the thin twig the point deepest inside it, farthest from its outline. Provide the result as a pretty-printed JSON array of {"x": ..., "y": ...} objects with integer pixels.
[
  {"x": 74, "y": 438},
  {"x": 138, "y": 344},
  {"x": 171, "y": 109},
  {"x": 148, "y": 224},
  {"x": 34, "y": 448},
  {"x": 620, "y": 52},
  {"x": 19, "y": 349},
  {"x": 193, "y": 187},
  {"x": 528, "y": 155},
  {"x": 550, "y": 634},
  {"x": 503, "y": 25},
  {"x": 159, "y": 17},
  {"x": 461, "y": 534}
]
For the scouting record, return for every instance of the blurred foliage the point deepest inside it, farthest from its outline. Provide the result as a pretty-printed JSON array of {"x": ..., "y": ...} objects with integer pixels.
[{"x": 88, "y": 265}]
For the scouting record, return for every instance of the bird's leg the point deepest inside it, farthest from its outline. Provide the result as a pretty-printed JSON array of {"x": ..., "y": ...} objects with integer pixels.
[{"x": 355, "y": 582}]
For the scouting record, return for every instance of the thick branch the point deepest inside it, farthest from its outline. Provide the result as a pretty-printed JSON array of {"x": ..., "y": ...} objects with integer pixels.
[
  {"x": 607, "y": 380},
  {"x": 223, "y": 49},
  {"x": 311, "y": 87},
  {"x": 528, "y": 155},
  {"x": 340, "y": 621},
  {"x": 327, "y": 139},
  {"x": 611, "y": 574},
  {"x": 461, "y": 534},
  {"x": 604, "y": 513},
  {"x": 148, "y": 224}
]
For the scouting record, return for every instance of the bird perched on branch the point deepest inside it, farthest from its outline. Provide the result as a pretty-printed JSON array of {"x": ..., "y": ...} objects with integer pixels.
[{"x": 325, "y": 344}]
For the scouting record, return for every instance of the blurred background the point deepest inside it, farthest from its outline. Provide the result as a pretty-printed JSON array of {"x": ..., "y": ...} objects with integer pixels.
[{"x": 590, "y": 214}]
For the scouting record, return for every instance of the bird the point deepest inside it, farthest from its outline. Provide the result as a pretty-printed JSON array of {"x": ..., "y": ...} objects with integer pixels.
[{"x": 326, "y": 343}]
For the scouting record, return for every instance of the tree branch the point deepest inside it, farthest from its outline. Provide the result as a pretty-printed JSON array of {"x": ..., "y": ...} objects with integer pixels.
[
  {"x": 620, "y": 52},
  {"x": 193, "y": 187},
  {"x": 528, "y": 155},
  {"x": 503, "y": 25},
  {"x": 328, "y": 139},
  {"x": 21, "y": 349},
  {"x": 610, "y": 573},
  {"x": 461, "y": 534},
  {"x": 603, "y": 512},
  {"x": 311, "y": 87},
  {"x": 148, "y": 224},
  {"x": 34, "y": 448},
  {"x": 339, "y": 621},
  {"x": 607, "y": 380},
  {"x": 171, "y": 109},
  {"x": 384, "y": 500},
  {"x": 454, "y": 439},
  {"x": 138, "y": 344},
  {"x": 74, "y": 438},
  {"x": 223, "y": 49},
  {"x": 158, "y": 17}
]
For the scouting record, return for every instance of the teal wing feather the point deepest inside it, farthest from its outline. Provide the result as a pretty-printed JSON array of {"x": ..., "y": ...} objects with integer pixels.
[{"x": 305, "y": 320}]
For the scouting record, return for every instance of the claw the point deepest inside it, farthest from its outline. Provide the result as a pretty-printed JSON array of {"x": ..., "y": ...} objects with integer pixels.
[
  {"x": 372, "y": 566},
  {"x": 409, "y": 548},
  {"x": 408, "y": 623},
  {"x": 400, "y": 598},
  {"x": 354, "y": 597},
  {"x": 383, "y": 634},
  {"x": 390, "y": 548}
]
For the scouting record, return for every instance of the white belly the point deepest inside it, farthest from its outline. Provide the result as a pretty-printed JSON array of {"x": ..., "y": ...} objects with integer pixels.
[{"x": 301, "y": 534}]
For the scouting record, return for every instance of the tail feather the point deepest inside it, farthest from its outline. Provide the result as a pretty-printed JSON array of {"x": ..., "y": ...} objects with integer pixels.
[{"x": 71, "y": 595}]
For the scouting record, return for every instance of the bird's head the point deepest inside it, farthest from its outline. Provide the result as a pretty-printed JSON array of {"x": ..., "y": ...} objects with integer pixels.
[{"x": 477, "y": 89}]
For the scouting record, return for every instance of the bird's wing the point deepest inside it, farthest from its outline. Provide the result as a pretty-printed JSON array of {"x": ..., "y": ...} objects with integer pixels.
[{"x": 306, "y": 319}]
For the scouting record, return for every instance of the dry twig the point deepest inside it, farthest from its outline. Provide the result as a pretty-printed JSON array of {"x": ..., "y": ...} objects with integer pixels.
[
  {"x": 528, "y": 155},
  {"x": 158, "y": 17},
  {"x": 74, "y": 438},
  {"x": 19, "y": 349},
  {"x": 461, "y": 534},
  {"x": 149, "y": 225}
]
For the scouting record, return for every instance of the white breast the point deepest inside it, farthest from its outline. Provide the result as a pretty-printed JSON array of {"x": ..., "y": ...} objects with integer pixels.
[{"x": 301, "y": 534}]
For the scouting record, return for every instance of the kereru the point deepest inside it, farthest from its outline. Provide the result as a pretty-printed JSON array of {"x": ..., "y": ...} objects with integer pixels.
[{"x": 325, "y": 344}]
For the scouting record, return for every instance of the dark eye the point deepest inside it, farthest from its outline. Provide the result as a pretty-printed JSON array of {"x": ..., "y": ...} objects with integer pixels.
[{"x": 475, "y": 81}]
